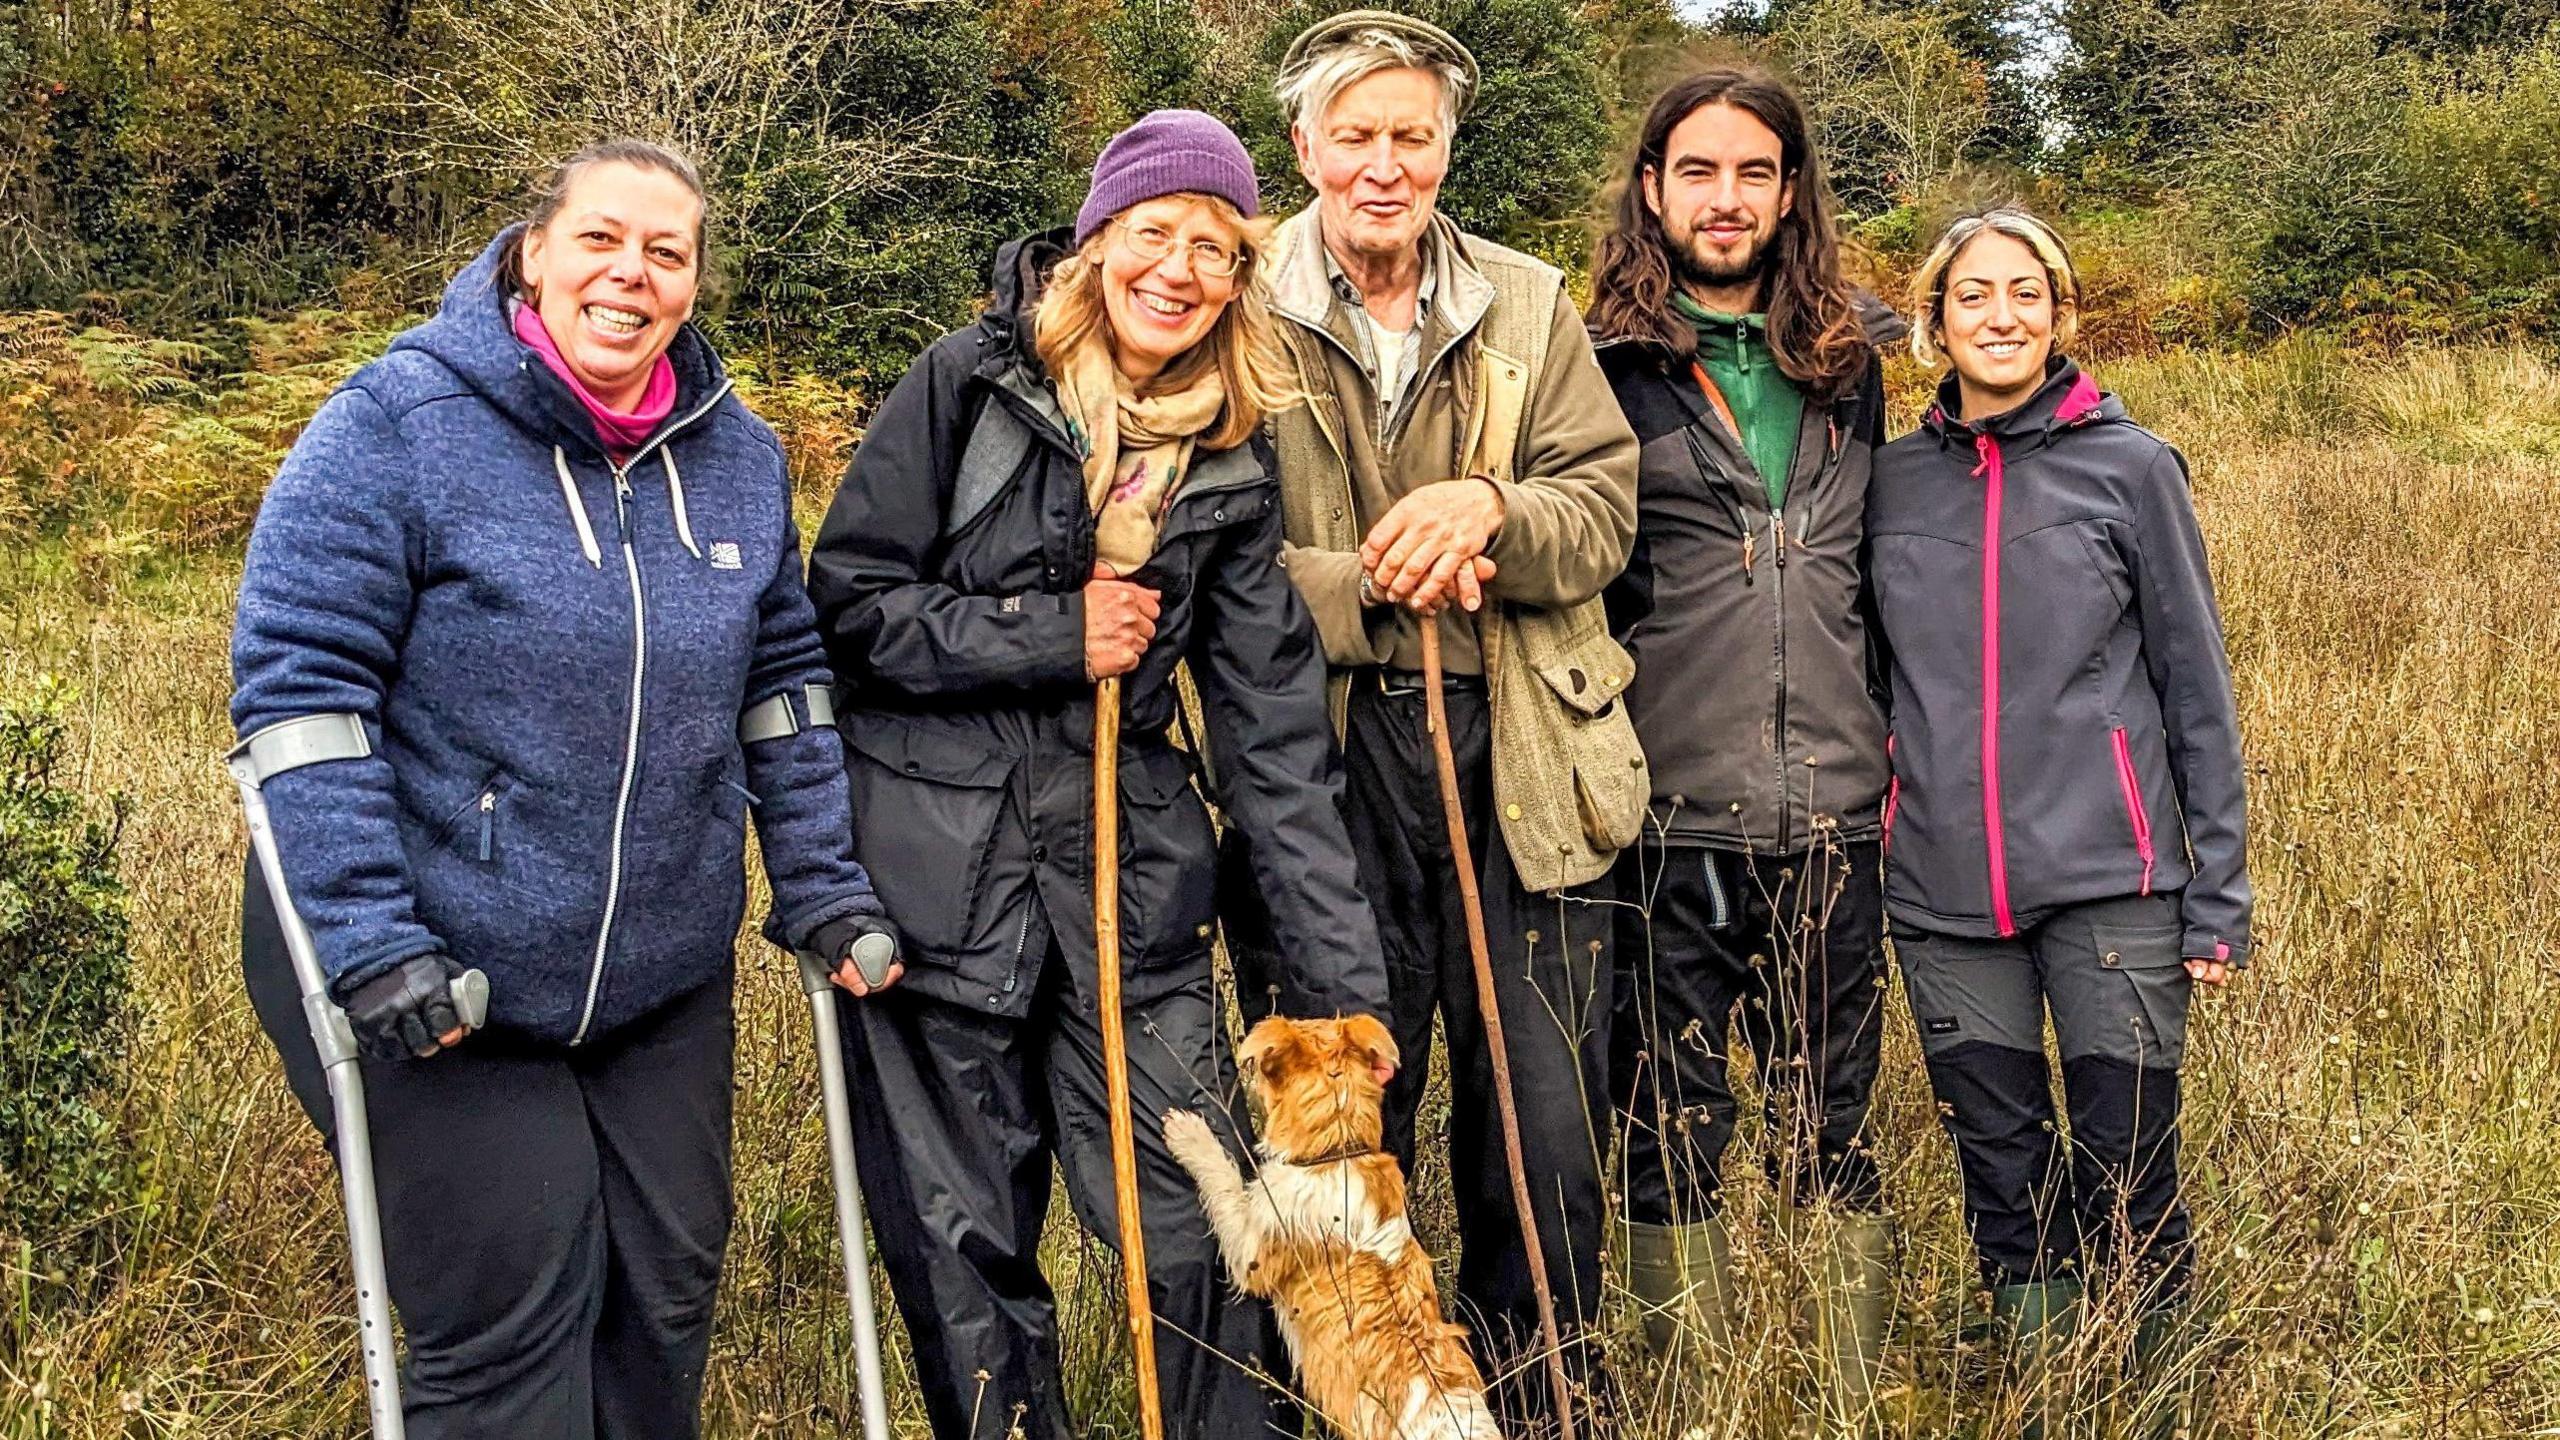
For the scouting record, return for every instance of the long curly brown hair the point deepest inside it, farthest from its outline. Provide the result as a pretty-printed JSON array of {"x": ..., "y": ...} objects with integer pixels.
[{"x": 1814, "y": 328}]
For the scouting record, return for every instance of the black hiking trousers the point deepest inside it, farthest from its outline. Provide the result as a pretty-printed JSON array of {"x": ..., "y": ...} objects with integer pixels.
[
  {"x": 553, "y": 1219},
  {"x": 1791, "y": 946},
  {"x": 1551, "y": 978},
  {"x": 2043, "y": 1203},
  {"x": 958, "y": 1116}
]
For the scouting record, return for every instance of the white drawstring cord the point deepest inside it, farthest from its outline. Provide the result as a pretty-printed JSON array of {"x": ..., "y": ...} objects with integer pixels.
[
  {"x": 577, "y": 508},
  {"x": 675, "y": 493}
]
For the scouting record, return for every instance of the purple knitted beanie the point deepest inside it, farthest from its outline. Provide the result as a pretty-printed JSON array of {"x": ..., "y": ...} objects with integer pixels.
[{"x": 1168, "y": 152}]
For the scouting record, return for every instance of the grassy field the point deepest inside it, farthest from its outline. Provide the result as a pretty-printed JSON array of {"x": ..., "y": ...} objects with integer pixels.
[{"x": 2373, "y": 1147}]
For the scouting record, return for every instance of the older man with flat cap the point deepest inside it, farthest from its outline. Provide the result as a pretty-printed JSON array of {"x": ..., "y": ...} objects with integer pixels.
[{"x": 1460, "y": 464}]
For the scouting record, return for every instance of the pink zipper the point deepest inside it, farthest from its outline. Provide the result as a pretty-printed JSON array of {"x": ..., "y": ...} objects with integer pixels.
[
  {"x": 1892, "y": 795},
  {"x": 2132, "y": 784},
  {"x": 1991, "y": 472}
]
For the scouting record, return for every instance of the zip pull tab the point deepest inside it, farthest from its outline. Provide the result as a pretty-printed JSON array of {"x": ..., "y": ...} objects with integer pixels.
[
  {"x": 1778, "y": 527},
  {"x": 1750, "y": 549},
  {"x": 488, "y": 823},
  {"x": 621, "y": 498}
]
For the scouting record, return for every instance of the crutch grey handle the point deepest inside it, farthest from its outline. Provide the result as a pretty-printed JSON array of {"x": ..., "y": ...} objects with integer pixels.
[
  {"x": 471, "y": 999},
  {"x": 872, "y": 957}
]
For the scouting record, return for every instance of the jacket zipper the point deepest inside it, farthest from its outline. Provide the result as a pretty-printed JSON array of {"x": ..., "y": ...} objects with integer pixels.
[
  {"x": 1778, "y": 676},
  {"x": 1892, "y": 794},
  {"x": 2131, "y": 781},
  {"x": 489, "y": 821},
  {"x": 631, "y": 738},
  {"x": 1991, "y": 472},
  {"x": 1021, "y": 943}
]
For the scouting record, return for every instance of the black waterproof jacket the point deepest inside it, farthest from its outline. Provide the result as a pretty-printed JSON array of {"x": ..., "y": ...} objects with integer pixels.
[
  {"x": 948, "y": 580},
  {"x": 2063, "y": 726},
  {"x": 1755, "y": 696}
]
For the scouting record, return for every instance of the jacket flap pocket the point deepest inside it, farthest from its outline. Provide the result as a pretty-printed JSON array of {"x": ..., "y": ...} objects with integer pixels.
[
  {"x": 2137, "y": 947},
  {"x": 929, "y": 757},
  {"x": 1154, "y": 777},
  {"x": 1586, "y": 672}
]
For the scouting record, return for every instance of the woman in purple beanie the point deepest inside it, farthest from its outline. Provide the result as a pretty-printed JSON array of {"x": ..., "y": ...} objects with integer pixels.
[{"x": 1069, "y": 489}]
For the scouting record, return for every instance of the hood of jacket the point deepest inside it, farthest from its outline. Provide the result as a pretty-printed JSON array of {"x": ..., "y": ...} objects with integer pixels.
[{"x": 472, "y": 336}]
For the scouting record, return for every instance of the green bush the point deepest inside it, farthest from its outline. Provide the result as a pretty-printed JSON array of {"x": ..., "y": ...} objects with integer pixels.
[{"x": 64, "y": 1012}]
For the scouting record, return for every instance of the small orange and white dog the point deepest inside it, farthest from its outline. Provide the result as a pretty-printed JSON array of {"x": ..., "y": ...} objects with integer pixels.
[{"x": 1321, "y": 1233}]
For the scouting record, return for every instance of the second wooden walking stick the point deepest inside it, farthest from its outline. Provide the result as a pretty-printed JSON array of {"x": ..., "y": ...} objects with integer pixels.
[
  {"x": 1115, "y": 1049},
  {"x": 1462, "y": 857}
]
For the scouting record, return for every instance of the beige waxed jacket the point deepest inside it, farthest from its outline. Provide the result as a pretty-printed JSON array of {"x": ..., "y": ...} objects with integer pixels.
[{"x": 1507, "y": 388}]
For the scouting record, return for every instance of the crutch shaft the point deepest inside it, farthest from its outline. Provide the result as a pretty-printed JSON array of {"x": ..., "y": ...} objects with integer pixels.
[
  {"x": 354, "y": 1137},
  {"x": 850, "y": 1228}
]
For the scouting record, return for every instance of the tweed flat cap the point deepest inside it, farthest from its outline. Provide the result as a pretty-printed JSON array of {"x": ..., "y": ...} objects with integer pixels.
[{"x": 1429, "y": 38}]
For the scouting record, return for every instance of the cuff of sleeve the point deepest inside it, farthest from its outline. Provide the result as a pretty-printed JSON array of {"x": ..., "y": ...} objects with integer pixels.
[
  {"x": 794, "y": 933},
  {"x": 1329, "y": 581},
  {"x": 343, "y": 983},
  {"x": 2206, "y": 945}
]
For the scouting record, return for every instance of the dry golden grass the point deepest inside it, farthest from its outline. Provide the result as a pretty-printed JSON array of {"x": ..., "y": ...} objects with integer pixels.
[{"x": 2372, "y": 1142}]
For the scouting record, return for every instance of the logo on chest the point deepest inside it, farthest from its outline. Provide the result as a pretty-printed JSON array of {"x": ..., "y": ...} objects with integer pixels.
[{"x": 724, "y": 555}]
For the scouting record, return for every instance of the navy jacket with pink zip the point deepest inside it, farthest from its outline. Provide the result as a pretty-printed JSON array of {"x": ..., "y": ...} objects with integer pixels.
[{"x": 2062, "y": 721}]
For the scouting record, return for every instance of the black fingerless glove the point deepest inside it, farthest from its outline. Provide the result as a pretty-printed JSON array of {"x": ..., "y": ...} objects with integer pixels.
[
  {"x": 401, "y": 1013},
  {"x": 835, "y": 940}
]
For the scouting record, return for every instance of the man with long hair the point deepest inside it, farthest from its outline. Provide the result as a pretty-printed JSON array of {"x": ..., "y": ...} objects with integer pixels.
[{"x": 1747, "y": 366}]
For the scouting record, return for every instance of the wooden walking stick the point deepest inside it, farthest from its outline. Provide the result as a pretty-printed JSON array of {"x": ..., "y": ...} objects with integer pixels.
[
  {"x": 1463, "y": 857},
  {"x": 1115, "y": 1049}
]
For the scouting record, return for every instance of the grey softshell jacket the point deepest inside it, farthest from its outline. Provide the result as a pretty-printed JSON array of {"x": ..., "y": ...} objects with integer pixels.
[
  {"x": 2062, "y": 723},
  {"x": 1756, "y": 695}
]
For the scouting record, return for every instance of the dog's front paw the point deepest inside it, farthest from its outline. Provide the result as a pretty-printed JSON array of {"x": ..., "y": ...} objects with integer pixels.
[{"x": 1194, "y": 1144}]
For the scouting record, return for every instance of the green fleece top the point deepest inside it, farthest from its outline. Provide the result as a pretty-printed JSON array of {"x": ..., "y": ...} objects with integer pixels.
[{"x": 1766, "y": 404}]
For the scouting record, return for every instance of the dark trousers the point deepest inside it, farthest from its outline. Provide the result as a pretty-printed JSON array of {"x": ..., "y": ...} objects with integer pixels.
[
  {"x": 553, "y": 1220},
  {"x": 2117, "y": 988},
  {"x": 1551, "y": 979},
  {"x": 1791, "y": 946},
  {"x": 957, "y": 1117}
]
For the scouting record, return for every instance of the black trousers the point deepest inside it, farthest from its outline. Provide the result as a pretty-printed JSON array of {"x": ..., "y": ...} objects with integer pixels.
[
  {"x": 2111, "y": 974},
  {"x": 957, "y": 1117},
  {"x": 553, "y": 1220},
  {"x": 1791, "y": 946},
  {"x": 1551, "y": 979}
]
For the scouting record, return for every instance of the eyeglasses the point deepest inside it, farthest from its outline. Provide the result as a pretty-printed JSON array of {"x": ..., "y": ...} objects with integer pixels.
[{"x": 1154, "y": 242}]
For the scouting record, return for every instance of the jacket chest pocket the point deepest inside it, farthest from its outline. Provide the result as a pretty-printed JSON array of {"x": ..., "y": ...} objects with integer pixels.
[
  {"x": 927, "y": 816},
  {"x": 1168, "y": 869},
  {"x": 470, "y": 830}
]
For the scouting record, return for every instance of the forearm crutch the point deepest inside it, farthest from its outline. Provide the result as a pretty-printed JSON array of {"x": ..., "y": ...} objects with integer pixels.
[
  {"x": 290, "y": 745},
  {"x": 872, "y": 955},
  {"x": 1115, "y": 1050},
  {"x": 1462, "y": 857}
]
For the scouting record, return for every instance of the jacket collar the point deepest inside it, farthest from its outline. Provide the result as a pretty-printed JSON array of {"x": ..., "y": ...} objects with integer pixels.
[
  {"x": 1302, "y": 285},
  {"x": 473, "y": 336},
  {"x": 2068, "y": 399}
]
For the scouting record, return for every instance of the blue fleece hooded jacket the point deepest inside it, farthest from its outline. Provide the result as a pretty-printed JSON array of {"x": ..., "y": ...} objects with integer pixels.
[{"x": 550, "y": 656}]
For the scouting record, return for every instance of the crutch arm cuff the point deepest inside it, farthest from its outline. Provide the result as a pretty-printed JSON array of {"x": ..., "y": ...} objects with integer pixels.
[
  {"x": 776, "y": 718},
  {"x": 292, "y": 744}
]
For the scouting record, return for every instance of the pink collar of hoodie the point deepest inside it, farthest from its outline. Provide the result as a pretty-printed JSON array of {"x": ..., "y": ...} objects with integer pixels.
[{"x": 621, "y": 432}]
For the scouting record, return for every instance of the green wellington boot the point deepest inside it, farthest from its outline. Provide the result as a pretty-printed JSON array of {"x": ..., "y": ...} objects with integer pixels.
[
  {"x": 2164, "y": 1376},
  {"x": 1683, "y": 1277},
  {"x": 1852, "y": 1310},
  {"x": 2036, "y": 1324}
]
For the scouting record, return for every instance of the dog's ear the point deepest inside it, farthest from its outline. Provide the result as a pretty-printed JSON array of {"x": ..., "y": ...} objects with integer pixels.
[
  {"x": 1368, "y": 1035},
  {"x": 1267, "y": 1046}
]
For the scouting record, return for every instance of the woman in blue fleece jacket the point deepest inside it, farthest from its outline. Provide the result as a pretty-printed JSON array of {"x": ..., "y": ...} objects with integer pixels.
[{"x": 545, "y": 557}]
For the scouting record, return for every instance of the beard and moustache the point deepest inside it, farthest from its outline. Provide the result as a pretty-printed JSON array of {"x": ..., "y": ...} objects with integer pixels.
[{"x": 1691, "y": 270}]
